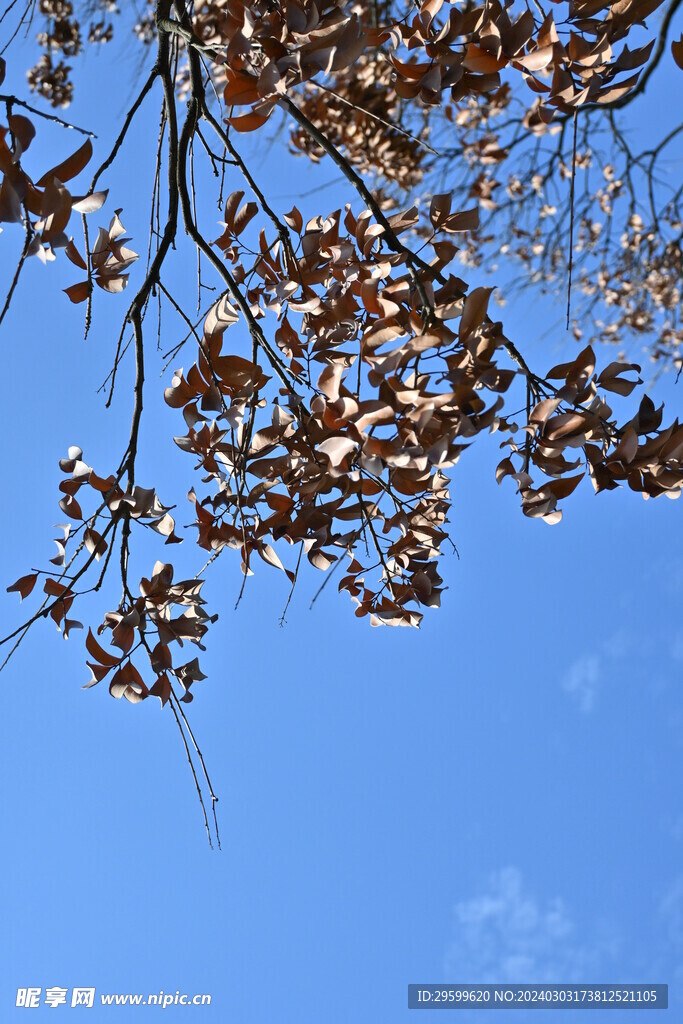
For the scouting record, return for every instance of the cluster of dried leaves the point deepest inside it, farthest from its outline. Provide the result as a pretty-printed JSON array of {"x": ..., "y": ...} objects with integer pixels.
[
  {"x": 369, "y": 364},
  {"x": 61, "y": 36},
  {"x": 43, "y": 206},
  {"x": 144, "y": 622},
  {"x": 619, "y": 229}
]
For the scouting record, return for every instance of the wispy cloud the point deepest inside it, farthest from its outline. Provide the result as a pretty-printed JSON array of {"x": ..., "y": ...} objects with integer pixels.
[
  {"x": 589, "y": 673},
  {"x": 671, "y": 913},
  {"x": 671, "y": 909},
  {"x": 677, "y": 647},
  {"x": 509, "y": 935},
  {"x": 582, "y": 680}
]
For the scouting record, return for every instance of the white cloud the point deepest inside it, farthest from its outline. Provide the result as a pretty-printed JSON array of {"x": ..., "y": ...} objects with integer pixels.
[
  {"x": 671, "y": 908},
  {"x": 582, "y": 680},
  {"x": 677, "y": 647},
  {"x": 507, "y": 935},
  {"x": 671, "y": 911},
  {"x": 589, "y": 674}
]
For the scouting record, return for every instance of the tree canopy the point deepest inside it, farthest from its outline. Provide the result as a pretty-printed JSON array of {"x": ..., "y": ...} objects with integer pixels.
[{"x": 344, "y": 362}]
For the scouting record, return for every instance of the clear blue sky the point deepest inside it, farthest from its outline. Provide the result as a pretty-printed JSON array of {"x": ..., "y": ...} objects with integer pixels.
[{"x": 494, "y": 797}]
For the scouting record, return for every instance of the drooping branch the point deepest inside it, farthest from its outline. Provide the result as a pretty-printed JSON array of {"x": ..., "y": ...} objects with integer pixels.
[
  {"x": 280, "y": 227},
  {"x": 136, "y": 308},
  {"x": 16, "y": 102},
  {"x": 386, "y": 363},
  {"x": 414, "y": 262},
  {"x": 20, "y": 265},
  {"x": 660, "y": 47}
]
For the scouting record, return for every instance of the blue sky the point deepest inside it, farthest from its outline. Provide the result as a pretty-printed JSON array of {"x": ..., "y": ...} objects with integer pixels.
[{"x": 495, "y": 797}]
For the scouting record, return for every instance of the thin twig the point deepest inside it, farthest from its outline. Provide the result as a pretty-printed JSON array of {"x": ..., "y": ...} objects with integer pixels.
[
  {"x": 291, "y": 592},
  {"x": 172, "y": 702},
  {"x": 375, "y": 117},
  {"x": 324, "y": 583},
  {"x": 15, "y": 101},
  {"x": 22, "y": 260},
  {"x": 571, "y": 223},
  {"x": 214, "y": 798}
]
